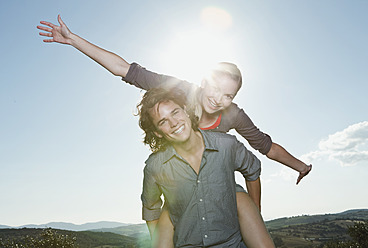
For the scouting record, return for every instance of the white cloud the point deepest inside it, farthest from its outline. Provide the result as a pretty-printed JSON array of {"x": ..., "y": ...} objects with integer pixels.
[
  {"x": 348, "y": 158},
  {"x": 349, "y": 138},
  {"x": 348, "y": 146}
]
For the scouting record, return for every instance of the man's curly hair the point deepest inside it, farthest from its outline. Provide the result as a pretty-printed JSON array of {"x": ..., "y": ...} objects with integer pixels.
[{"x": 149, "y": 100}]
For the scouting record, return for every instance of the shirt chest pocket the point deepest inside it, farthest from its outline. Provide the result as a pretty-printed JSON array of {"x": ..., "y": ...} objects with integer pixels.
[{"x": 178, "y": 190}]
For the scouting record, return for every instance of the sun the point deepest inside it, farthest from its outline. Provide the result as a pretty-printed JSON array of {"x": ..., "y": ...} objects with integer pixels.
[
  {"x": 216, "y": 18},
  {"x": 191, "y": 52}
]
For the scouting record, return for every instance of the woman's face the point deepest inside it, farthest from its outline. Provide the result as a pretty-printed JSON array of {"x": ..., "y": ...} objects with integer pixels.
[{"x": 218, "y": 93}]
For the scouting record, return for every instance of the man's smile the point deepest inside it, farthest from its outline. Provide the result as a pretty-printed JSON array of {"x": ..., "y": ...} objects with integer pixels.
[{"x": 179, "y": 130}]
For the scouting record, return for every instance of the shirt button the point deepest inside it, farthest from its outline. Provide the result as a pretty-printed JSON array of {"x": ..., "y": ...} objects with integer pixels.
[
  {"x": 198, "y": 181},
  {"x": 200, "y": 200},
  {"x": 203, "y": 218},
  {"x": 205, "y": 236}
]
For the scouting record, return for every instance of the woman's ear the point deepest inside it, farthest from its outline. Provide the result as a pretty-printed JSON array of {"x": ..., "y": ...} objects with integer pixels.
[
  {"x": 203, "y": 83},
  {"x": 185, "y": 110}
]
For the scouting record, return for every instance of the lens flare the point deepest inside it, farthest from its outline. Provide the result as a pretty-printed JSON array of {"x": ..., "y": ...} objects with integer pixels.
[{"x": 216, "y": 18}]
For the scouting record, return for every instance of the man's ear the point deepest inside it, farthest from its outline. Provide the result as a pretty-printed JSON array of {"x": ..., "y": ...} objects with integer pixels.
[{"x": 157, "y": 134}]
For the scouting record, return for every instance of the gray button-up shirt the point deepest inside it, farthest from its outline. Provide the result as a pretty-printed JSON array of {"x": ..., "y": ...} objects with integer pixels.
[{"x": 202, "y": 206}]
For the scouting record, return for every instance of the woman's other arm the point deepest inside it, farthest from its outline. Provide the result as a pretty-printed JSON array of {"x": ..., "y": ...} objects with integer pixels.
[{"x": 279, "y": 154}]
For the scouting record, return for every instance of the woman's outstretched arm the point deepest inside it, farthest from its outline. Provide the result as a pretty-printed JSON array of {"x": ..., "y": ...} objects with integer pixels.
[{"x": 61, "y": 34}]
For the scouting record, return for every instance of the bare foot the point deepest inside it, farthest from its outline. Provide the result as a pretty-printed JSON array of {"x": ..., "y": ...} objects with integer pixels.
[{"x": 304, "y": 173}]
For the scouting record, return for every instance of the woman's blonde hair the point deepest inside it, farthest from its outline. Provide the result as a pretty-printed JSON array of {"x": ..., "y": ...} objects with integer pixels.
[{"x": 228, "y": 69}]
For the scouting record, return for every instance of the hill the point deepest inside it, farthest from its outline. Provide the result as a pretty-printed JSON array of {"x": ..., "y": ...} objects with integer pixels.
[
  {"x": 83, "y": 239},
  {"x": 312, "y": 234},
  {"x": 355, "y": 214},
  {"x": 314, "y": 231},
  {"x": 294, "y": 232}
]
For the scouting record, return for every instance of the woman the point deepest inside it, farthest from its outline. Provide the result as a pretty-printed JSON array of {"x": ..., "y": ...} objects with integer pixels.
[{"x": 215, "y": 108}]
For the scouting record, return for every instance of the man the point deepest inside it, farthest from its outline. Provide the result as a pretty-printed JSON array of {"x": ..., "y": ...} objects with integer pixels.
[{"x": 194, "y": 171}]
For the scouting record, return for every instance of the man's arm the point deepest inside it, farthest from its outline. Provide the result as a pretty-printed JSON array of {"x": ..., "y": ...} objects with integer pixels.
[
  {"x": 279, "y": 154},
  {"x": 250, "y": 167},
  {"x": 254, "y": 191},
  {"x": 61, "y": 34},
  {"x": 151, "y": 200}
]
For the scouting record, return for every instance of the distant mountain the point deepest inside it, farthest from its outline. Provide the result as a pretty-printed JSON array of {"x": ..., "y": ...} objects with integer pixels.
[
  {"x": 135, "y": 231},
  {"x": 73, "y": 227}
]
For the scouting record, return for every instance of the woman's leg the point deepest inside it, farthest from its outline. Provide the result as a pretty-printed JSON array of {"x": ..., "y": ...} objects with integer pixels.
[
  {"x": 164, "y": 232},
  {"x": 252, "y": 227}
]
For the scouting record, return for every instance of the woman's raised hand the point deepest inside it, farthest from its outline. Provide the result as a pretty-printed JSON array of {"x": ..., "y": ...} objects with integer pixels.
[{"x": 60, "y": 34}]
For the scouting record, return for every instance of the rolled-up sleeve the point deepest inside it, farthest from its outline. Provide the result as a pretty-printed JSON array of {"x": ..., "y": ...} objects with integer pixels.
[
  {"x": 247, "y": 163},
  {"x": 245, "y": 127},
  {"x": 151, "y": 197},
  {"x": 144, "y": 79}
]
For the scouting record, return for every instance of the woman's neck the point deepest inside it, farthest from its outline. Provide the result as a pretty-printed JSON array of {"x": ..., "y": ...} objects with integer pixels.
[{"x": 208, "y": 120}]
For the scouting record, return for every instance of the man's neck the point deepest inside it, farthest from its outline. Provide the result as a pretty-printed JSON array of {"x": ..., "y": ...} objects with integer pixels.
[
  {"x": 192, "y": 150},
  {"x": 194, "y": 143}
]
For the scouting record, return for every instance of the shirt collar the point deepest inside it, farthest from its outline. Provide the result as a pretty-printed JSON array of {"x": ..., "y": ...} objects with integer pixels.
[{"x": 209, "y": 144}]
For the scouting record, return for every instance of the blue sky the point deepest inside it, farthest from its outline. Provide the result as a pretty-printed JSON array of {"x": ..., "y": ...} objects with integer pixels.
[{"x": 70, "y": 146}]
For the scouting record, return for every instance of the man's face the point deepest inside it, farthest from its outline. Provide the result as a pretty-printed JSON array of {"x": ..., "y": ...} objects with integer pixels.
[
  {"x": 218, "y": 93},
  {"x": 171, "y": 122}
]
